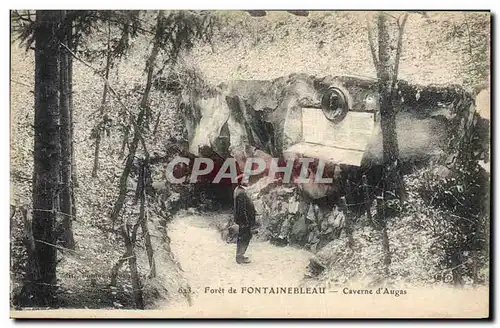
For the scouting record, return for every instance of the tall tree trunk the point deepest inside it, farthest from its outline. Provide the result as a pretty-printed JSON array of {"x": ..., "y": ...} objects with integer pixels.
[
  {"x": 39, "y": 288},
  {"x": 381, "y": 225},
  {"x": 100, "y": 131},
  {"x": 128, "y": 167},
  {"x": 157, "y": 123},
  {"x": 144, "y": 175},
  {"x": 66, "y": 201},
  {"x": 124, "y": 141},
  {"x": 72, "y": 44},
  {"x": 387, "y": 42},
  {"x": 456, "y": 264},
  {"x": 95, "y": 168},
  {"x": 130, "y": 255},
  {"x": 150, "y": 65},
  {"x": 390, "y": 33},
  {"x": 96, "y": 153},
  {"x": 136, "y": 281}
]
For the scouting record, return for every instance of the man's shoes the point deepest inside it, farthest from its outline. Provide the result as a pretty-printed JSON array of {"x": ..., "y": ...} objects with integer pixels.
[{"x": 242, "y": 260}]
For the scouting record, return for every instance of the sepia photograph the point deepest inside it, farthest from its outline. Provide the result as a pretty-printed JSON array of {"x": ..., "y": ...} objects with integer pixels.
[{"x": 250, "y": 164}]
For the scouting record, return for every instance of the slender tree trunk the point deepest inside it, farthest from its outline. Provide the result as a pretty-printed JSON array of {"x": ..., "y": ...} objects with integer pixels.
[
  {"x": 66, "y": 165},
  {"x": 388, "y": 38},
  {"x": 136, "y": 282},
  {"x": 124, "y": 141},
  {"x": 140, "y": 120},
  {"x": 41, "y": 268},
  {"x": 157, "y": 123},
  {"x": 399, "y": 49},
  {"x": 348, "y": 222},
  {"x": 373, "y": 48},
  {"x": 143, "y": 176},
  {"x": 382, "y": 226},
  {"x": 74, "y": 181},
  {"x": 95, "y": 168},
  {"x": 126, "y": 170},
  {"x": 96, "y": 153},
  {"x": 147, "y": 239},
  {"x": 368, "y": 200},
  {"x": 475, "y": 269},
  {"x": 456, "y": 264},
  {"x": 132, "y": 262},
  {"x": 100, "y": 131},
  {"x": 116, "y": 269}
]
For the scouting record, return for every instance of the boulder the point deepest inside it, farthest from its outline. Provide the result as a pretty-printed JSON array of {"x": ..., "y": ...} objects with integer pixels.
[{"x": 267, "y": 118}]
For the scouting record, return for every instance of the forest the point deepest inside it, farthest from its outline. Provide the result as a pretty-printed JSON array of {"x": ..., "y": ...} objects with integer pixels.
[{"x": 102, "y": 101}]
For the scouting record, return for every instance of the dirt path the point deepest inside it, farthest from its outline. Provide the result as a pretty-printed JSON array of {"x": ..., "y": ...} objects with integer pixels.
[{"x": 208, "y": 261}]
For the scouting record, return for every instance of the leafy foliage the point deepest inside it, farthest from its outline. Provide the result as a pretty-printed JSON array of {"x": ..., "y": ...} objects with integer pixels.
[
  {"x": 473, "y": 33},
  {"x": 85, "y": 23},
  {"x": 23, "y": 26},
  {"x": 459, "y": 207},
  {"x": 180, "y": 30}
]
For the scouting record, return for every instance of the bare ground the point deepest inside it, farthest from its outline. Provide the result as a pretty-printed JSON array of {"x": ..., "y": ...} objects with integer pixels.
[{"x": 208, "y": 261}]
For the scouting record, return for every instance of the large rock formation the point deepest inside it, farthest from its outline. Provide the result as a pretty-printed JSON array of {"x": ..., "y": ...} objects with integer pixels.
[
  {"x": 287, "y": 117},
  {"x": 284, "y": 117}
]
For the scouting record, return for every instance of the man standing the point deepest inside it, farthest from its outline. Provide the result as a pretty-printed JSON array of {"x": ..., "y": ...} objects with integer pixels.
[{"x": 244, "y": 217}]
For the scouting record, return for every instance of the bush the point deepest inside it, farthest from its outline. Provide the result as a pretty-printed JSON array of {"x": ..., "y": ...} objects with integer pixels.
[{"x": 456, "y": 205}]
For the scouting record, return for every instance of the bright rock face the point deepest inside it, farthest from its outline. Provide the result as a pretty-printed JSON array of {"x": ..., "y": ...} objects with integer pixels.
[{"x": 272, "y": 118}]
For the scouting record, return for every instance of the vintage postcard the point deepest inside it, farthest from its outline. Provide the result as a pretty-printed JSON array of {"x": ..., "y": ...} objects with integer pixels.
[{"x": 250, "y": 164}]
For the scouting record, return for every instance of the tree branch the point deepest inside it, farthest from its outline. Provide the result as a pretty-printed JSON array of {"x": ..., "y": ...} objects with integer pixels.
[
  {"x": 23, "y": 16},
  {"x": 24, "y": 84},
  {"x": 53, "y": 211},
  {"x": 116, "y": 268},
  {"x": 110, "y": 88},
  {"x": 372, "y": 46},
  {"x": 56, "y": 246},
  {"x": 399, "y": 49},
  {"x": 394, "y": 17}
]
